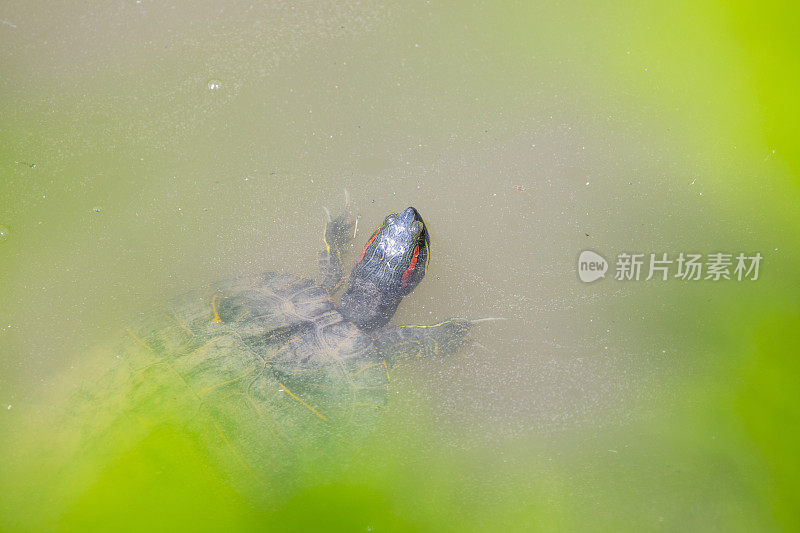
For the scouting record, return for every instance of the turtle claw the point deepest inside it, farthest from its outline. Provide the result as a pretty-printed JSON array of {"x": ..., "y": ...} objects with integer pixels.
[
  {"x": 337, "y": 235},
  {"x": 339, "y": 230},
  {"x": 487, "y": 319}
]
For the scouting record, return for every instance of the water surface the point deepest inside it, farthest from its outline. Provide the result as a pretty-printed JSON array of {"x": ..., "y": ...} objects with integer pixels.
[{"x": 147, "y": 149}]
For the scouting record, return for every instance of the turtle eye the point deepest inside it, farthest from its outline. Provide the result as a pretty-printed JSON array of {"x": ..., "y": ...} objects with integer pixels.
[
  {"x": 416, "y": 228},
  {"x": 389, "y": 219}
]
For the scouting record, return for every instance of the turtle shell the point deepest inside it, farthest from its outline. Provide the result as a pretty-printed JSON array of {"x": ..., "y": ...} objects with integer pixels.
[{"x": 263, "y": 370}]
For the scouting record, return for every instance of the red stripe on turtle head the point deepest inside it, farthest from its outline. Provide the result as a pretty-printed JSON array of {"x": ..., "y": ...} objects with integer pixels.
[
  {"x": 364, "y": 251},
  {"x": 411, "y": 267}
]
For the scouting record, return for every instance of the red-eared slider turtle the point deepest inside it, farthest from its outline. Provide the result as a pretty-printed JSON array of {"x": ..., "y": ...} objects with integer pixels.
[{"x": 264, "y": 370}]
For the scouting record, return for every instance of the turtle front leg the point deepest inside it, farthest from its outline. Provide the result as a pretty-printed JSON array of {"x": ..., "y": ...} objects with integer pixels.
[
  {"x": 397, "y": 342},
  {"x": 338, "y": 234}
]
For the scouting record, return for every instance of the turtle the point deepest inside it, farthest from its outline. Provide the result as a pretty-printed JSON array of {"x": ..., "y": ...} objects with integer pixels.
[{"x": 265, "y": 370}]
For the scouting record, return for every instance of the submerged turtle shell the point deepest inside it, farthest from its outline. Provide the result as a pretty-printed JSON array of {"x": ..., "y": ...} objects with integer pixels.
[{"x": 261, "y": 369}]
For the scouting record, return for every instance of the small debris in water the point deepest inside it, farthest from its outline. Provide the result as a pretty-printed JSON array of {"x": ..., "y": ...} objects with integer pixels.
[
  {"x": 214, "y": 84},
  {"x": 520, "y": 188},
  {"x": 97, "y": 209},
  {"x": 9, "y": 407},
  {"x": 4, "y": 231}
]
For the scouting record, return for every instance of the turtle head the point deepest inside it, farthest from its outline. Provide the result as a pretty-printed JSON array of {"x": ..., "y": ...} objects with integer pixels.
[{"x": 392, "y": 263}]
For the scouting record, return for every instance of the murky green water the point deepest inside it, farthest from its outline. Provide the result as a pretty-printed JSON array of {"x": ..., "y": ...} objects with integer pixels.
[{"x": 147, "y": 149}]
